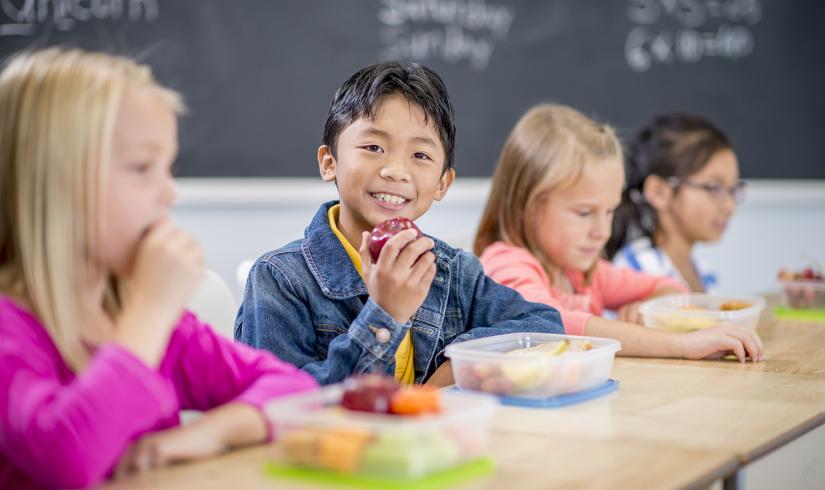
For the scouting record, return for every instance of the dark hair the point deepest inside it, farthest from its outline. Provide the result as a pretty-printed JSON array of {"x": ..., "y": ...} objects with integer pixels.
[
  {"x": 671, "y": 145},
  {"x": 360, "y": 95}
]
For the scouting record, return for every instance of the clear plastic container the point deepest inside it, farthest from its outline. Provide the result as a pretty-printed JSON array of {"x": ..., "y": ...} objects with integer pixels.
[
  {"x": 314, "y": 431},
  {"x": 804, "y": 295},
  {"x": 491, "y": 365},
  {"x": 694, "y": 311}
]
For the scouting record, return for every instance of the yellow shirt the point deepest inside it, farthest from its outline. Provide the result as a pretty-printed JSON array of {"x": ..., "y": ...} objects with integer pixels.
[{"x": 404, "y": 367}]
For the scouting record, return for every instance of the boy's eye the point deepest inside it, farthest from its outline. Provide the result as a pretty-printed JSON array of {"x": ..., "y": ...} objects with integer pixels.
[
  {"x": 584, "y": 213},
  {"x": 421, "y": 156},
  {"x": 373, "y": 148}
]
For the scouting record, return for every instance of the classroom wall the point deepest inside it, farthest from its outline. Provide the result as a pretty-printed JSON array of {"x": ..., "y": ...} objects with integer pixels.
[{"x": 779, "y": 225}]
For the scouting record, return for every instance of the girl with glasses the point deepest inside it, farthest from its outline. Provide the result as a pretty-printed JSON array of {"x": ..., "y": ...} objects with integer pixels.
[{"x": 682, "y": 188}]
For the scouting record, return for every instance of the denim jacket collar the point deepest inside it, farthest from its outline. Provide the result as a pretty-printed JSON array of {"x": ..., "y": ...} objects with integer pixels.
[
  {"x": 331, "y": 266},
  {"x": 328, "y": 261}
]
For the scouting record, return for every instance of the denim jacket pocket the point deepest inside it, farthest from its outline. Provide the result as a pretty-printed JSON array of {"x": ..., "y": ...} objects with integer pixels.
[
  {"x": 324, "y": 333},
  {"x": 426, "y": 322},
  {"x": 453, "y": 324}
]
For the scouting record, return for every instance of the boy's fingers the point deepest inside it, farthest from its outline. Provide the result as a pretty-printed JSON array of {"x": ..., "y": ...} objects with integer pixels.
[
  {"x": 429, "y": 275},
  {"x": 364, "y": 252},
  {"x": 414, "y": 251},
  {"x": 389, "y": 254},
  {"x": 422, "y": 267}
]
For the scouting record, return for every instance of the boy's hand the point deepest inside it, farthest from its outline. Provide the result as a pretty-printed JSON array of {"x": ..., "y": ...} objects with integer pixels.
[
  {"x": 719, "y": 341},
  {"x": 630, "y": 313},
  {"x": 168, "y": 265},
  {"x": 400, "y": 280}
]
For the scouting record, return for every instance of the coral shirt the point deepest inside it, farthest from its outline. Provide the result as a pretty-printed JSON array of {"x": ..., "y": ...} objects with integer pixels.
[{"x": 610, "y": 287}]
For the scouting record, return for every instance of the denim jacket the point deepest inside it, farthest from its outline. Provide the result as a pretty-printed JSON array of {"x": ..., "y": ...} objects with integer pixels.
[{"x": 307, "y": 303}]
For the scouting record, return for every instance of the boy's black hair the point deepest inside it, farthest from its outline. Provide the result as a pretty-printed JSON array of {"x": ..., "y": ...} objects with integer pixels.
[{"x": 360, "y": 95}]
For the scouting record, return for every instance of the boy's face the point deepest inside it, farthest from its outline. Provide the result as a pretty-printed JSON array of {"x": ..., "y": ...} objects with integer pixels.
[{"x": 387, "y": 167}]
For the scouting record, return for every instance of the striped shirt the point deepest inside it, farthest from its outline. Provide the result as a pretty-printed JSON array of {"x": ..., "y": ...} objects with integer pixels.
[{"x": 641, "y": 255}]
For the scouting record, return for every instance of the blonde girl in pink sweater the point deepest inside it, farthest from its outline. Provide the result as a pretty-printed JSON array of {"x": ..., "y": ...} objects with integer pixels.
[
  {"x": 557, "y": 182},
  {"x": 97, "y": 354}
]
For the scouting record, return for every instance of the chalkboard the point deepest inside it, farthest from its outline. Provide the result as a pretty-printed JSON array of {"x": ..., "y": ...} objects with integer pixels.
[{"x": 258, "y": 75}]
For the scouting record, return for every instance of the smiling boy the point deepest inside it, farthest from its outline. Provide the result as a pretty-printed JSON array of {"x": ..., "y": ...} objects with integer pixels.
[{"x": 323, "y": 305}]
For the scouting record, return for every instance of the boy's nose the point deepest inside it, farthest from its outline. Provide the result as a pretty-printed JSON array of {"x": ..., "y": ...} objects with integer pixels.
[{"x": 395, "y": 171}]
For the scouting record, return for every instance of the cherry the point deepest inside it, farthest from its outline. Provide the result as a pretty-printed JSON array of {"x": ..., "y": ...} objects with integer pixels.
[{"x": 385, "y": 230}]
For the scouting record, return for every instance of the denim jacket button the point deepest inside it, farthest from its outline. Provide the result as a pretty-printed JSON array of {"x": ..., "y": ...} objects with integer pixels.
[{"x": 382, "y": 335}]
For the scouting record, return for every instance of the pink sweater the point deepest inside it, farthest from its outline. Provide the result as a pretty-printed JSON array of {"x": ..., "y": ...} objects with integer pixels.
[
  {"x": 59, "y": 429},
  {"x": 610, "y": 287}
]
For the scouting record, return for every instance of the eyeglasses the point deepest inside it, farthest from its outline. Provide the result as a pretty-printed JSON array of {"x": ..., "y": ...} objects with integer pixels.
[{"x": 715, "y": 191}]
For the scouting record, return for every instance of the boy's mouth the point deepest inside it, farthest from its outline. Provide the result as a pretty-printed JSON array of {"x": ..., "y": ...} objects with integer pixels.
[{"x": 389, "y": 201}]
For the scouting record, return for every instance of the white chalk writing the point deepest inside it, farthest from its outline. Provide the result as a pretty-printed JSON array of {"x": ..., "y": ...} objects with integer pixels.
[
  {"x": 687, "y": 31},
  {"x": 450, "y": 30},
  {"x": 23, "y": 17}
]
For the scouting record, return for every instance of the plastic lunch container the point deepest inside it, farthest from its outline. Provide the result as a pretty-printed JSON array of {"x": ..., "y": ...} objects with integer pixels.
[
  {"x": 314, "y": 431},
  {"x": 490, "y": 365},
  {"x": 804, "y": 295},
  {"x": 686, "y": 312}
]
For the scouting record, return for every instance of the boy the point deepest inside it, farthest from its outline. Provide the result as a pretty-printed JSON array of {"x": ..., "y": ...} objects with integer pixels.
[{"x": 323, "y": 305}]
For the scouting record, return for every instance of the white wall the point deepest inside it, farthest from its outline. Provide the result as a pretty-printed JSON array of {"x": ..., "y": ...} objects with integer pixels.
[{"x": 779, "y": 225}]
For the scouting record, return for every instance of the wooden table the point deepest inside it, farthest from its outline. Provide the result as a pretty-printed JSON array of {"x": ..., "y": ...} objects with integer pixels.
[{"x": 672, "y": 424}]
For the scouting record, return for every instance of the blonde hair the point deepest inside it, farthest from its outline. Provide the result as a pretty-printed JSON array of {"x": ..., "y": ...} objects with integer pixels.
[
  {"x": 57, "y": 116},
  {"x": 546, "y": 150}
]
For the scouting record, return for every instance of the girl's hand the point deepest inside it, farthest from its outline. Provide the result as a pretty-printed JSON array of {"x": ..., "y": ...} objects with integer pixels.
[
  {"x": 168, "y": 265},
  {"x": 401, "y": 278},
  {"x": 180, "y": 444},
  {"x": 228, "y": 426},
  {"x": 719, "y": 341},
  {"x": 630, "y": 313}
]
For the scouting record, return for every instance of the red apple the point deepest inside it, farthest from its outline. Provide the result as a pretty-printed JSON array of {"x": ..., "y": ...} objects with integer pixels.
[{"x": 386, "y": 230}]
